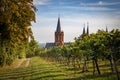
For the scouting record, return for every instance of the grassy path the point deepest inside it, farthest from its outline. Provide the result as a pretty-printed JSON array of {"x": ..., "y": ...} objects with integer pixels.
[
  {"x": 20, "y": 62},
  {"x": 37, "y": 68},
  {"x": 28, "y": 62},
  {"x": 44, "y": 70}
]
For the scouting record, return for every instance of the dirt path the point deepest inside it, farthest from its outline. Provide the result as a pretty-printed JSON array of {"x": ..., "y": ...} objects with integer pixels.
[
  {"x": 26, "y": 60},
  {"x": 22, "y": 60},
  {"x": 27, "y": 63}
]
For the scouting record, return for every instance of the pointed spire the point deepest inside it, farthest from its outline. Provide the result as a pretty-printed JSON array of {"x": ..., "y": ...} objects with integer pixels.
[
  {"x": 58, "y": 25},
  {"x": 87, "y": 28},
  {"x": 106, "y": 29},
  {"x": 84, "y": 29}
]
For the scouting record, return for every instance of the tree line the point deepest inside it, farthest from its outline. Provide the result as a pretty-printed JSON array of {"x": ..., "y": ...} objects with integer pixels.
[
  {"x": 15, "y": 30},
  {"x": 88, "y": 48}
]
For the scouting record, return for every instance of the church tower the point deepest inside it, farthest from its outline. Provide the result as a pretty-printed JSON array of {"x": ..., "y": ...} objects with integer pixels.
[
  {"x": 84, "y": 29},
  {"x": 106, "y": 29},
  {"x": 59, "y": 35},
  {"x": 88, "y": 28}
]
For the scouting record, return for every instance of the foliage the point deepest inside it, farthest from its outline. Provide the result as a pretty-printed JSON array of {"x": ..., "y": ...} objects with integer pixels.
[
  {"x": 33, "y": 49},
  {"x": 89, "y": 47},
  {"x": 15, "y": 19},
  {"x": 40, "y": 69}
]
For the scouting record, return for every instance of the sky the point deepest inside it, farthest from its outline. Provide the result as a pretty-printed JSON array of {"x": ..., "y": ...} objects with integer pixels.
[{"x": 73, "y": 15}]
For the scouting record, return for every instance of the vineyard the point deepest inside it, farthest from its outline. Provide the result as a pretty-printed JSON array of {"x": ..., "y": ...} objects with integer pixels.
[
  {"x": 41, "y": 69},
  {"x": 94, "y": 56},
  {"x": 91, "y": 56}
]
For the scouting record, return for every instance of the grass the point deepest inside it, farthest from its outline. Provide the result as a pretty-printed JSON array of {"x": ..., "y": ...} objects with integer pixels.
[{"x": 40, "y": 69}]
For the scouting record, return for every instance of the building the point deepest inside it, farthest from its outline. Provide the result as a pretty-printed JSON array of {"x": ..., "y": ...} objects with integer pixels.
[
  {"x": 84, "y": 31},
  {"x": 59, "y": 37}
]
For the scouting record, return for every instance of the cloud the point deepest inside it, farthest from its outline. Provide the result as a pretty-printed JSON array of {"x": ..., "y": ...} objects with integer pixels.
[
  {"x": 83, "y": 8},
  {"x": 117, "y": 13},
  {"x": 41, "y": 2},
  {"x": 108, "y": 3},
  {"x": 72, "y": 25},
  {"x": 100, "y": 3},
  {"x": 99, "y": 15},
  {"x": 97, "y": 8}
]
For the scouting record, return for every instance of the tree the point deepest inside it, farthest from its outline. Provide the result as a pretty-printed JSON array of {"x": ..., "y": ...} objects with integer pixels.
[
  {"x": 33, "y": 48},
  {"x": 85, "y": 50},
  {"x": 94, "y": 47},
  {"x": 15, "y": 19},
  {"x": 114, "y": 46}
]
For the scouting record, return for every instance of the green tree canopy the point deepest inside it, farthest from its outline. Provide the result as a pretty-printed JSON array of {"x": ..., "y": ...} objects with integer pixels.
[{"x": 15, "y": 22}]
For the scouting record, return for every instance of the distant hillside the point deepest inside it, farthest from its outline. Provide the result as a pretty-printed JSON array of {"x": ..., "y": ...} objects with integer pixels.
[{"x": 42, "y": 44}]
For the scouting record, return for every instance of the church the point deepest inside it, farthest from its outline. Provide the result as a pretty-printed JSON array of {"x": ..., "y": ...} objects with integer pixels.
[{"x": 59, "y": 37}]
